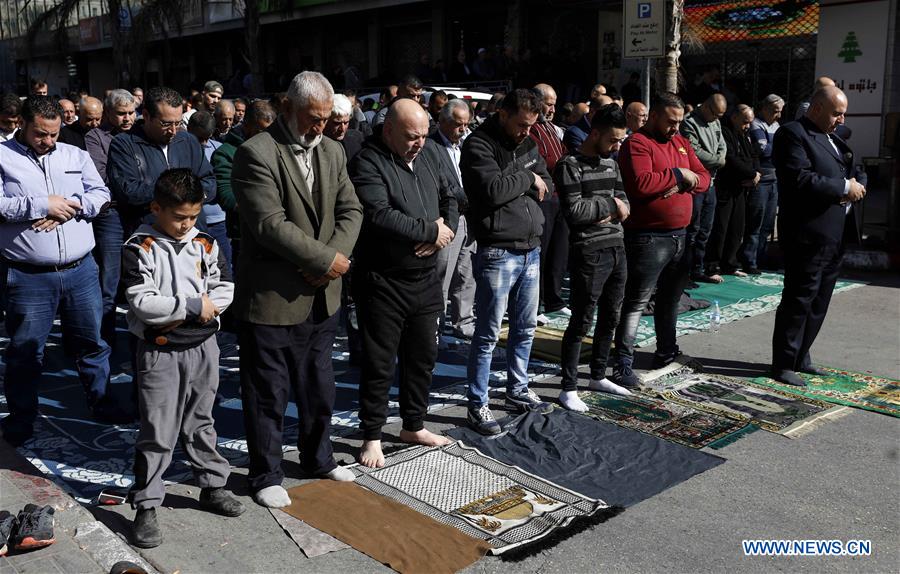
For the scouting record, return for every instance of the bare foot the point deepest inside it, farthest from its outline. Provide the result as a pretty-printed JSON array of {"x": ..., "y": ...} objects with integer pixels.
[
  {"x": 739, "y": 273},
  {"x": 424, "y": 437},
  {"x": 716, "y": 278},
  {"x": 370, "y": 454}
]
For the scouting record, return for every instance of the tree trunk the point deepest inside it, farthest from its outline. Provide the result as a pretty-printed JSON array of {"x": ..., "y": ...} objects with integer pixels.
[
  {"x": 667, "y": 75},
  {"x": 251, "y": 37}
]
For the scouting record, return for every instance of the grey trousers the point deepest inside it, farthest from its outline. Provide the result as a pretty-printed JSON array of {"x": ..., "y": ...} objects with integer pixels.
[
  {"x": 176, "y": 393},
  {"x": 454, "y": 267}
]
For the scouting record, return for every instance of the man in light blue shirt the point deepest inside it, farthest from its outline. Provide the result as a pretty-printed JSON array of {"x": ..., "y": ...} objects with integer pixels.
[{"x": 49, "y": 195}]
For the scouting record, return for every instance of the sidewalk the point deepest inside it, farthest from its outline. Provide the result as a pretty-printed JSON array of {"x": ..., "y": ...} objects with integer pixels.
[{"x": 83, "y": 544}]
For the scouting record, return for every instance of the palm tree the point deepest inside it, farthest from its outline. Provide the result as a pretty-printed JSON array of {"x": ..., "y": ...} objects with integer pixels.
[{"x": 156, "y": 17}]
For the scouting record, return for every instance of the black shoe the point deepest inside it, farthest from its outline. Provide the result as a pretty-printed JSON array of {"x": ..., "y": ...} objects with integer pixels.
[
  {"x": 107, "y": 410},
  {"x": 624, "y": 376},
  {"x": 126, "y": 567},
  {"x": 8, "y": 525},
  {"x": 35, "y": 528},
  {"x": 813, "y": 370},
  {"x": 527, "y": 401},
  {"x": 660, "y": 362},
  {"x": 788, "y": 377},
  {"x": 692, "y": 285},
  {"x": 220, "y": 502},
  {"x": 481, "y": 420},
  {"x": 146, "y": 532},
  {"x": 752, "y": 271}
]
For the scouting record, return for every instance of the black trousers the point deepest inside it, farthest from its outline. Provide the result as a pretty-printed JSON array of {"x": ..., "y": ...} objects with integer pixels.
[
  {"x": 398, "y": 324},
  {"x": 598, "y": 284},
  {"x": 727, "y": 231},
  {"x": 810, "y": 272},
  {"x": 276, "y": 360},
  {"x": 554, "y": 255}
]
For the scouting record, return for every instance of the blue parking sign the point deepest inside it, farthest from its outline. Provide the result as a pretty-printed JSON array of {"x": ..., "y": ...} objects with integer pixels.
[{"x": 643, "y": 10}]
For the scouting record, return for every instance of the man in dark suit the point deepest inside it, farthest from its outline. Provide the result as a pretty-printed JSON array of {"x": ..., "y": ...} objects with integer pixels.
[{"x": 818, "y": 183}]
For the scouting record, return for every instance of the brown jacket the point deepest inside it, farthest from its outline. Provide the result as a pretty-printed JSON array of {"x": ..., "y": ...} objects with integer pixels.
[{"x": 287, "y": 230}]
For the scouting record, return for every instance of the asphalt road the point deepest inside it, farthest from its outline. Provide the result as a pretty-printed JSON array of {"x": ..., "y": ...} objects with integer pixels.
[{"x": 839, "y": 482}]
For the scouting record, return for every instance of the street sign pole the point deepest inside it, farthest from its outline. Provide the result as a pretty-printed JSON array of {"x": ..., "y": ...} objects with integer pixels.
[
  {"x": 646, "y": 83},
  {"x": 644, "y": 35}
]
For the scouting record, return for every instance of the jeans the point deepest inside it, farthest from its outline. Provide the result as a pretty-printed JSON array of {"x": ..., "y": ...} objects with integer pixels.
[
  {"x": 505, "y": 279},
  {"x": 597, "y": 277},
  {"x": 33, "y": 300},
  {"x": 654, "y": 260},
  {"x": 108, "y": 237},
  {"x": 454, "y": 268},
  {"x": 762, "y": 204},
  {"x": 701, "y": 226}
]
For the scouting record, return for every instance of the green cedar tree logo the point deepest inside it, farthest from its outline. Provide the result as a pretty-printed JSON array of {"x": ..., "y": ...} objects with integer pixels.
[{"x": 850, "y": 50}]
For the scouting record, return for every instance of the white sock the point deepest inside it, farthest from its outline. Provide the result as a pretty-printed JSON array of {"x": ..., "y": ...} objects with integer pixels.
[
  {"x": 608, "y": 386},
  {"x": 273, "y": 497},
  {"x": 341, "y": 474},
  {"x": 570, "y": 400}
]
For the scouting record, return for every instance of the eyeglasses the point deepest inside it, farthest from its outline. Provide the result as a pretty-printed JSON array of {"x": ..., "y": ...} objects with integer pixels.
[{"x": 168, "y": 125}]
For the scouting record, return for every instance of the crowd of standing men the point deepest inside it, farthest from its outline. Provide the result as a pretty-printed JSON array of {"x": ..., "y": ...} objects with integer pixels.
[{"x": 284, "y": 212}]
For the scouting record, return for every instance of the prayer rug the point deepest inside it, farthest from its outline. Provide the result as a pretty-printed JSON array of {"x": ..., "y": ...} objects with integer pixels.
[
  {"x": 481, "y": 496},
  {"x": 770, "y": 409},
  {"x": 677, "y": 423},
  {"x": 547, "y": 345},
  {"x": 597, "y": 459},
  {"x": 738, "y": 297},
  {"x": 859, "y": 390},
  {"x": 384, "y": 529}
]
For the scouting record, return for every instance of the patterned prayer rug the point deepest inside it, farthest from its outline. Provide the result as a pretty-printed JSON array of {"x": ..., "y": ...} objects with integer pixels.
[
  {"x": 481, "y": 496},
  {"x": 598, "y": 459},
  {"x": 767, "y": 408},
  {"x": 859, "y": 390},
  {"x": 677, "y": 423},
  {"x": 84, "y": 456},
  {"x": 738, "y": 297},
  {"x": 547, "y": 345}
]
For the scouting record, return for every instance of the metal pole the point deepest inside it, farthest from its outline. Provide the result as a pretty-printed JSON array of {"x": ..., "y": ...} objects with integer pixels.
[{"x": 646, "y": 83}]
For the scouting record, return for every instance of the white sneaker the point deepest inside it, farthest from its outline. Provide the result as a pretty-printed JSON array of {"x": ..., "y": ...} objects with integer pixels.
[
  {"x": 542, "y": 319},
  {"x": 565, "y": 312}
]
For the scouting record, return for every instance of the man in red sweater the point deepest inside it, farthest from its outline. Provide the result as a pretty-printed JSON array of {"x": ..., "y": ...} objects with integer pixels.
[{"x": 661, "y": 174}]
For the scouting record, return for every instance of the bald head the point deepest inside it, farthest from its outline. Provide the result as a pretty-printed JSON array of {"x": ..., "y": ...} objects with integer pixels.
[
  {"x": 405, "y": 129},
  {"x": 714, "y": 107},
  {"x": 742, "y": 117},
  {"x": 827, "y": 108},
  {"x": 68, "y": 108},
  {"x": 822, "y": 82},
  {"x": 90, "y": 112},
  {"x": 635, "y": 116},
  {"x": 548, "y": 101}
]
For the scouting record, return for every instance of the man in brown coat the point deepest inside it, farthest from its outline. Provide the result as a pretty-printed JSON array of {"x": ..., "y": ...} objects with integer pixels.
[{"x": 300, "y": 218}]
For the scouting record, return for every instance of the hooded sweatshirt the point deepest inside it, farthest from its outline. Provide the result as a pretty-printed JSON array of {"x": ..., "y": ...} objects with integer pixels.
[{"x": 164, "y": 282}]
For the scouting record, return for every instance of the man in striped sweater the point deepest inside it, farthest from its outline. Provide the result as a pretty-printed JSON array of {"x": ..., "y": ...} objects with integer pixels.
[{"x": 594, "y": 204}]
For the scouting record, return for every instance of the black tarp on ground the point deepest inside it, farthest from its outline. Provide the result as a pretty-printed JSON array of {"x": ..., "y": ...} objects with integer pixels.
[{"x": 597, "y": 459}]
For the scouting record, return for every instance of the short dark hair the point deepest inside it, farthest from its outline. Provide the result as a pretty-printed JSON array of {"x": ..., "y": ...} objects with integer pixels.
[
  {"x": 609, "y": 116},
  {"x": 202, "y": 124},
  {"x": 40, "y": 106},
  {"x": 37, "y": 82},
  {"x": 439, "y": 94},
  {"x": 10, "y": 104},
  {"x": 349, "y": 92},
  {"x": 411, "y": 81},
  {"x": 526, "y": 100},
  {"x": 178, "y": 186},
  {"x": 161, "y": 95},
  {"x": 665, "y": 100},
  {"x": 243, "y": 100},
  {"x": 260, "y": 110}
]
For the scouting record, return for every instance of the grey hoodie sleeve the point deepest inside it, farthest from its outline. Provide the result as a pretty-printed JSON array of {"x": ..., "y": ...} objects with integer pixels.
[
  {"x": 219, "y": 285},
  {"x": 143, "y": 296}
]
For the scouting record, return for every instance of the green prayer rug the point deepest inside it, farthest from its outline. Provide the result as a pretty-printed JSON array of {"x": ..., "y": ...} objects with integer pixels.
[
  {"x": 673, "y": 422},
  {"x": 770, "y": 409},
  {"x": 860, "y": 390},
  {"x": 738, "y": 297}
]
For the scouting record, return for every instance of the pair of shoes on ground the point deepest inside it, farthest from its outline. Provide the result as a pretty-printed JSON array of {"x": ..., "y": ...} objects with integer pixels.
[
  {"x": 543, "y": 319},
  {"x": 147, "y": 534},
  {"x": 481, "y": 419},
  {"x": 32, "y": 528}
]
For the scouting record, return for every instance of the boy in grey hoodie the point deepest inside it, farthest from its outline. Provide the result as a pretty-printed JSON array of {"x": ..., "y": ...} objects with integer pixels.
[{"x": 176, "y": 284}]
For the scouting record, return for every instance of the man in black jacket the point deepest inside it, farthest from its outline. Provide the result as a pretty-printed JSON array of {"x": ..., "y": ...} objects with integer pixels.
[
  {"x": 739, "y": 175},
  {"x": 409, "y": 215},
  {"x": 505, "y": 179},
  {"x": 818, "y": 185}
]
